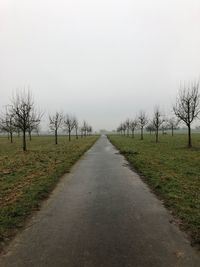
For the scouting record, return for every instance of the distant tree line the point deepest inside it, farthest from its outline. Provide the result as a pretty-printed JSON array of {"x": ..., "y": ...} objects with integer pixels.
[
  {"x": 186, "y": 109},
  {"x": 22, "y": 118},
  {"x": 69, "y": 124}
]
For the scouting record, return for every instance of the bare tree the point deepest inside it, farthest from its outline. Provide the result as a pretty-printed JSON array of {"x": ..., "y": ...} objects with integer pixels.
[
  {"x": 55, "y": 122},
  {"x": 7, "y": 123},
  {"x": 37, "y": 129},
  {"x": 127, "y": 124},
  {"x": 123, "y": 126},
  {"x": 133, "y": 125},
  {"x": 150, "y": 127},
  {"x": 34, "y": 122},
  {"x": 76, "y": 127},
  {"x": 164, "y": 127},
  {"x": 173, "y": 124},
  {"x": 69, "y": 122},
  {"x": 24, "y": 114},
  {"x": 89, "y": 129},
  {"x": 86, "y": 129},
  {"x": 119, "y": 129},
  {"x": 82, "y": 131},
  {"x": 187, "y": 106},
  {"x": 142, "y": 121},
  {"x": 157, "y": 121}
]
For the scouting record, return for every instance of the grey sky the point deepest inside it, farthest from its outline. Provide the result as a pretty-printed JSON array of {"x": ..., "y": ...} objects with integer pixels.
[{"x": 101, "y": 60}]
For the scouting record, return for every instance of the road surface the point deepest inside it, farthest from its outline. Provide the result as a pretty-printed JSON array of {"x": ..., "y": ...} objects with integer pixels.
[{"x": 101, "y": 214}]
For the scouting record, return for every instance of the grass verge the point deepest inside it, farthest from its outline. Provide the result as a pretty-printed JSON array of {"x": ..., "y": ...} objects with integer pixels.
[
  {"x": 27, "y": 178},
  {"x": 172, "y": 171}
]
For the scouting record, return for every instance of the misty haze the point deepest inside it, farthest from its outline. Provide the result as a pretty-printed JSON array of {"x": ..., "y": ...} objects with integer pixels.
[
  {"x": 92, "y": 57},
  {"x": 99, "y": 133}
]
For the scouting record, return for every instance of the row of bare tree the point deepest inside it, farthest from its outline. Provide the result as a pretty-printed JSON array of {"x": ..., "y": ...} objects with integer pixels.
[
  {"x": 186, "y": 110},
  {"x": 159, "y": 122},
  {"x": 68, "y": 123},
  {"x": 22, "y": 117}
]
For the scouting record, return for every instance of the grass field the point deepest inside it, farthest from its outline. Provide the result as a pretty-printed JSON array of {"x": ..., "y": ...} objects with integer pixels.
[
  {"x": 172, "y": 171},
  {"x": 28, "y": 177}
]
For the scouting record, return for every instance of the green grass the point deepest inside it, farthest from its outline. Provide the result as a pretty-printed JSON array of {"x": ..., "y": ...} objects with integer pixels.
[
  {"x": 172, "y": 171},
  {"x": 27, "y": 177}
]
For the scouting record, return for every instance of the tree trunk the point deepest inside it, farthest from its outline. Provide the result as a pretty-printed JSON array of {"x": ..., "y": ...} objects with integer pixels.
[
  {"x": 76, "y": 134},
  {"x": 142, "y": 133},
  {"x": 56, "y": 137},
  {"x": 24, "y": 140},
  {"x": 172, "y": 131},
  {"x": 133, "y": 135},
  {"x": 69, "y": 135},
  {"x": 189, "y": 136},
  {"x": 30, "y": 137},
  {"x": 11, "y": 137},
  {"x": 157, "y": 135}
]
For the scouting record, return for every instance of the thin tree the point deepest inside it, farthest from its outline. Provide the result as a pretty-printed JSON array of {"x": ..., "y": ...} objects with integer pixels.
[
  {"x": 173, "y": 124},
  {"x": 142, "y": 121},
  {"x": 69, "y": 122},
  {"x": 164, "y": 127},
  {"x": 82, "y": 131},
  {"x": 7, "y": 124},
  {"x": 157, "y": 121},
  {"x": 23, "y": 109},
  {"x": 187, "y": 107},
  {"x": 89, "y": 130},
  {"x": 76, "y": 127},
  {"x": 150, "y": 128},
  {"x": 37, "y": 130},
  {"x": 127, "y": 124},
  {"x": 133, "y": 126},
  {"x": 85, "y": 128},
  {"x": 34, "y": 122},
  {"x": 55, "y": 122},
  {"x": 119, "y": 129},
  {"x": 123, "y": 125}
]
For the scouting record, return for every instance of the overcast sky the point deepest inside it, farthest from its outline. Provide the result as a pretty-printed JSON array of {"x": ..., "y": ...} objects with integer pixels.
[{"x": 101, "y": 60}]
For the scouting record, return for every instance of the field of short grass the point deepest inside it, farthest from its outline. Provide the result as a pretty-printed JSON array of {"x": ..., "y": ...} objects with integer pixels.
[
  {"x": 28, "y": 177},
  {"x": 172, "y": 171}
]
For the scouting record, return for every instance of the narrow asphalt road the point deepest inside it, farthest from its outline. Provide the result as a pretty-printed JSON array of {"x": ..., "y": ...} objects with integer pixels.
[{"x": 101, "y": 214}]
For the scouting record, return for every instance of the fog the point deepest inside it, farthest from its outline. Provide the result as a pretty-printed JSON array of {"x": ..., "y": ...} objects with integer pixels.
[{"x": 103, "y": 60}]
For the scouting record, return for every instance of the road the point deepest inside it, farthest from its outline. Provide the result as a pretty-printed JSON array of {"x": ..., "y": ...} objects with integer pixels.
[{"x": 101, "y": 214}]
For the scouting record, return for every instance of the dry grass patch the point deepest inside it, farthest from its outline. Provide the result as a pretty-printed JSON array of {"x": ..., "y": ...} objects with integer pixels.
[
  {"x": 28, "y": 177},
  {"x": 172, "y": 170}
]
